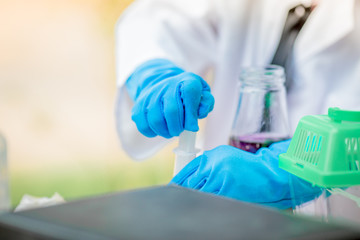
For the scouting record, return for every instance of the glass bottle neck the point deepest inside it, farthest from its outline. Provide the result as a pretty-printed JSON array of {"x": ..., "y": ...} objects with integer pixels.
[{"x": 270, "y": 77}]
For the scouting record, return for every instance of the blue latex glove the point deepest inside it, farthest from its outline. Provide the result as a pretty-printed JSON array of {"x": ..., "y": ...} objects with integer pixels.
[
  {"x": 245, "y": 176},
  {"x": 167, "y": 99}
]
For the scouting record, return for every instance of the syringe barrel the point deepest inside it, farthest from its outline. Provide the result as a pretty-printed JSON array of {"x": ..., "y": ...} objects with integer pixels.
[{"x": 186, "y": 150}]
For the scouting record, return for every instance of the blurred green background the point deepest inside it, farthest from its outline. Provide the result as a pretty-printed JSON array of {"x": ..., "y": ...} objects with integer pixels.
[{"x": 57, "y": 94}]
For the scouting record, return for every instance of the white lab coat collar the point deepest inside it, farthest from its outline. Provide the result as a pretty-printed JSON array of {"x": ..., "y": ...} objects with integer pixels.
[{"x": 316, "y": 35}]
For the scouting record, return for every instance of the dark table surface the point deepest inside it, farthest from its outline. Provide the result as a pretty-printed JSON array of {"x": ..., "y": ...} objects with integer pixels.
[{"x": 166, "y": 212}]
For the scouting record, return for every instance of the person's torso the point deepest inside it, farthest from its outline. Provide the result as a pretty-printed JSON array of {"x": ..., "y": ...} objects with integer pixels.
[{"x": 326, "y": 58}]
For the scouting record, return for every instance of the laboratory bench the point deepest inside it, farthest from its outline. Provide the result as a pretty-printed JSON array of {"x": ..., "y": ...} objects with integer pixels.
[{"x": 165, "y": 212}]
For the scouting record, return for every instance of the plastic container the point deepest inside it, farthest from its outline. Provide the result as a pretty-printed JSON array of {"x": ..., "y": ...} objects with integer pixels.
[
  {"x": 261, "y": 116},
  {"x": 325, "y": 151},
  {"x": 331, "y": 204},
  {"x": 4, "y": 179}
]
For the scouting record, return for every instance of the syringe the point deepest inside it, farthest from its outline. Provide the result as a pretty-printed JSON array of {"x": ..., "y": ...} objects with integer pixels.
[{"x": 186, "y": 151}]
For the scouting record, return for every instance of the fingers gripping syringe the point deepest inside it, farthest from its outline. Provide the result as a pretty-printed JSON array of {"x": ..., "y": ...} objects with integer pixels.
[{"x": 186, "y": 150}]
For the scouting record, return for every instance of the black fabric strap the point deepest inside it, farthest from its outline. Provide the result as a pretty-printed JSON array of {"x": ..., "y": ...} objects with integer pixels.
[{"x": 295, "y": 20}]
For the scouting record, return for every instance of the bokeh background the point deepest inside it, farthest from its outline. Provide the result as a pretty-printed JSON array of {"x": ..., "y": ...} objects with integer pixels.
[{"x": 57, "y": 95}]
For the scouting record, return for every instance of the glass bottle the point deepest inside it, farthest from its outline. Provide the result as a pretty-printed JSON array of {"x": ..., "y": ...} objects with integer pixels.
[
  {"x": 4, "y": 180},
  {"x": 261, "y": 117}
]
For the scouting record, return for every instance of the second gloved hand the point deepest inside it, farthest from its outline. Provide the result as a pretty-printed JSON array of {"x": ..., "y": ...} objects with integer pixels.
[
  {"x": 167, "y": 100},
  {"x": 256, "y": 178}
]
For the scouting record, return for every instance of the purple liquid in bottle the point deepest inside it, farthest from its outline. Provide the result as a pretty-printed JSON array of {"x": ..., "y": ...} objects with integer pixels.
[{"x": 252, "y": 143}]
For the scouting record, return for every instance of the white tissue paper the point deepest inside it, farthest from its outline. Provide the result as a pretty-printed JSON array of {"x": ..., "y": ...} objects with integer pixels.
[{"x": 29, "y": 202}]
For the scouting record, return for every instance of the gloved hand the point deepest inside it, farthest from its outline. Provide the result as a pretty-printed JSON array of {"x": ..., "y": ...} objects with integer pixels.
[
  {"x": 167, "y": 99},
  {"x": 245, "y": 176}
]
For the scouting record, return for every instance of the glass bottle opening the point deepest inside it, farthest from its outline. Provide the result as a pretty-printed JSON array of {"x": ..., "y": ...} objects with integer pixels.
[{"x": 269, "y": 75}]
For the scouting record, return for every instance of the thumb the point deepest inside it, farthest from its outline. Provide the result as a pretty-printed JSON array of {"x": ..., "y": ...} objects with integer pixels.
[
  {"x": 190, "y": 92},
  {"x": 206, "y": 104}
]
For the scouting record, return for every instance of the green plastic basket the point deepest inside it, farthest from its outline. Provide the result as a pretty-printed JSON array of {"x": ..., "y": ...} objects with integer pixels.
[{"x": 325, "y": 149}]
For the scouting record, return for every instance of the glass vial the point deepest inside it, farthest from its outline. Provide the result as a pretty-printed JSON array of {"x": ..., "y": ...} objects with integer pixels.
[{"x": 261, "y": 117}]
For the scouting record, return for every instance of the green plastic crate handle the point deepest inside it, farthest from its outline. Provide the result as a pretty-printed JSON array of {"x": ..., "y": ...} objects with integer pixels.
[{"x": 338, "y": 115}]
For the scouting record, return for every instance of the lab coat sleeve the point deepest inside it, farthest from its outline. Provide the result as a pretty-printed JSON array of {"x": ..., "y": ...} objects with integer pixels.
[{"x": 182, "y": 31}]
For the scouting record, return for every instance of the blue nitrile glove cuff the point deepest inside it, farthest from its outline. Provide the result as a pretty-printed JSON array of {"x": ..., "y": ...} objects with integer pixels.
[
  {"x": 167, "y": 100},
  {"x": 245, "y": 176}
]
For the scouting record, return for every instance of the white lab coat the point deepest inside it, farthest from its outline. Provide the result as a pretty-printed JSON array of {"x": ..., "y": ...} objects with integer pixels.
[{"x": 226, "y": 35}]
